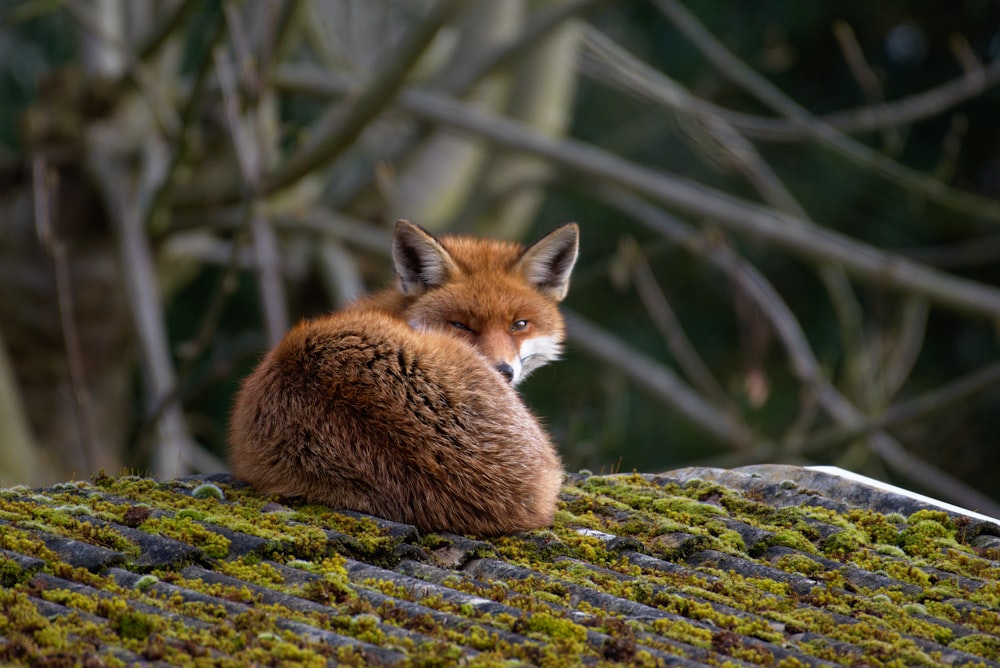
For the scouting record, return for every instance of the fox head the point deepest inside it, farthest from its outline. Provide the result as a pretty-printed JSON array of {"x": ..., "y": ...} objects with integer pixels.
[{"x": 498, "y": 295}]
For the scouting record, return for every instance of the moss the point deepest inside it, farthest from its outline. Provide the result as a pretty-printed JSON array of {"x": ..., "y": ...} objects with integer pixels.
[
  {"x": 844, "y": 543},
  {"x": 792, "y": 539},
  {"x": 926, "y": 534},
  {"x": 559, "y": 629},
  {"x": 23, "y": 542},
  {"x": 208, "y": 491},
  {"x": 146, "y": 582},
  {"x": 988, "y": 595},
  {"x": 11, "y": 572},
  {"x": 188, "y": 531},
  {"x": 986, "y": 646},
  {"x": 328, "y": 591},
  {"x": 134, "y": 624},
  {"x": 797, "y": 563},
  {"x": 629, "y": 505}
]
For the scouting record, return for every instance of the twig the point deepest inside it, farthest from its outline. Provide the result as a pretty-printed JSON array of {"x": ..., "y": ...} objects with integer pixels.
[
  {"x": 660, "y": 380},
  {"x": 736, "y": 70},
  {"x": 458, "y": 81},
  {"x": 964, "y": 254},
  {"x": 966, "y": 57},
  {"x": 340, "y": 272},
  {"x": 666, "y": 321},
  {"x": 128, "y": 197},
  {"x": 337, "y": 133},
  {"x": 164, "y": 29},
  {"x": 912, "y": 327},
  {"x": 869, "y": 83},
  {"x": 270, "y": 284},
  {"x": 143, "y": 295},
  {"x": 182, "y": 141},
  {"x": 264, "y": 241},
  {"x": 938, "y": 399},
  {"x": 642, "y": 79},
  {"x": 358, "y": 233},
  {"x": 56, "y": 247},
  {"x": 123, "y": 66},
  {"x": 249, "y": 77},
  {"x": 190, "y": 351},
  {"x": 804, "y": 364}
]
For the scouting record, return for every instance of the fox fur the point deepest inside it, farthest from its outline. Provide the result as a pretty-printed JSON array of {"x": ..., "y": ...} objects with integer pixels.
[{"x": 402, "y": 405}]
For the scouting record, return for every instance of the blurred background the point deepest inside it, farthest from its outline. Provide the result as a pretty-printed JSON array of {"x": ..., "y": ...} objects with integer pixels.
[{"x": 789, "y": 212}]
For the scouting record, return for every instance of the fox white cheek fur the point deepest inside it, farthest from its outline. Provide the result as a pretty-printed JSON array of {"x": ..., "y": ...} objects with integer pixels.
[{"x": 536, "y": 352}]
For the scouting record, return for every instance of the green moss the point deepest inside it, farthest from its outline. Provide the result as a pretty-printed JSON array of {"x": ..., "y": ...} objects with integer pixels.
[
  {"x": 11, "y": 573},
  {"x": 208, "y": 491},
  {"x": 146, "y": 582},
  {"x": 927, "y": 535},
  {"x": 792, "y": 539},
  {"x": 134, "y": 624},
  {"x": 188, "y": 531},
  {"x": 845, "y": 542},
  {"x": 629, "y": 505},
  {"x": 986, "y": 646},
  {"x": 559, "y": 629}
]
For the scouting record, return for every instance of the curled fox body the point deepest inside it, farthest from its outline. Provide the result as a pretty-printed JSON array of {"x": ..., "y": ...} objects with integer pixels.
[{"x": 402, "y": 405}]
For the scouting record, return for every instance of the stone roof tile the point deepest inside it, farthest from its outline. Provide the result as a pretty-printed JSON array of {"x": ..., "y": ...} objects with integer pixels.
[{"x": 768, "y": 565}]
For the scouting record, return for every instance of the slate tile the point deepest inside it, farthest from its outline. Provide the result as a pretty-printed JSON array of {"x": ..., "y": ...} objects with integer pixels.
[
  {"x": 82, "y": 555},
  {"x": 611, "y": 579},
  {"x": 304, "y": 631},
  {"x": 155, "y": 551}
]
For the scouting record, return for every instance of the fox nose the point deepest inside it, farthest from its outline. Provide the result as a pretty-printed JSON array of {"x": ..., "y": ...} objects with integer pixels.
[{"x": 506, "y": 370}]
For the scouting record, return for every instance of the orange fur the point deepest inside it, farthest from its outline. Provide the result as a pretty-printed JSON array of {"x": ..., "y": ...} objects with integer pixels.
[{"x": 388, "y": 407}]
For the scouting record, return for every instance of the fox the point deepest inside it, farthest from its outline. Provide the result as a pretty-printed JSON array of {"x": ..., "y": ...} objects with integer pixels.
[{"x": 403, "y": 405}]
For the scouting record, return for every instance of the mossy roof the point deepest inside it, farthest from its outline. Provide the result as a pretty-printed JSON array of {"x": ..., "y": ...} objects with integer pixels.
[{"x": 769, "y": 565}]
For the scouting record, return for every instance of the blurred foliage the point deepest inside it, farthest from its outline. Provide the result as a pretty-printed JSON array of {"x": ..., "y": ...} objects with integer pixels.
[{"x": 827, "y": 57}]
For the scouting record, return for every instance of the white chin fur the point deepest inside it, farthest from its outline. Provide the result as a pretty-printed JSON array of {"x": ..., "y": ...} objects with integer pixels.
[{"x": 535, "y": 352}]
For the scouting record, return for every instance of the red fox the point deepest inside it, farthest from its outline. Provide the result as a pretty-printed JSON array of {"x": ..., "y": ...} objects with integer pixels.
[{"x": 402, "y": 404}]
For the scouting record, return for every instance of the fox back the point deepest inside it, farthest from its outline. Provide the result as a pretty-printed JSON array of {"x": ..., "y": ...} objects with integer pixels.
[{"x": 402, "y": 405}]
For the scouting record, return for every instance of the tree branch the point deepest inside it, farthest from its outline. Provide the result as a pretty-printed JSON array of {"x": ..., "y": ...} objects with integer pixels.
[
  {"x": 659, "y": 380},
  {"x": 743, "y": 75},
  {"x": 807, "y": 242},
  {"x": 338, "y": 133},
  {"x": 804, "y": 364}
]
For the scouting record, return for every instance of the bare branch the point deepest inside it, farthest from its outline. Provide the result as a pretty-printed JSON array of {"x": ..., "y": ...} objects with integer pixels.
[
  {"x": 268, "y": 260},
  {"x": 869, "y": 83},
  {"x": 338, "y": 132},
  {"x": 660, "y": 380},
  {"x": 912, "y": 327},
  {"x": 666, "y": 321},
  {"x": 42, "y": 186},
  {"x": 127, "y": 203},
  {"x": 922, "y": 406},
  {"x": 340, "y": 272},
  {"x": 458, "y": 81},
  {"x": 917, "y": 183},
  {"x": 166, "y": 28},
  {"x": 265, "y": 243},
  {"x": 804, "y": 363},
  {"x": 792, "y": 234}
]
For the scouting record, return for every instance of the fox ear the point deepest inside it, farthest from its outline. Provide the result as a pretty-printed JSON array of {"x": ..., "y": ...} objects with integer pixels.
[
  {"x": 547, "y": 263},
  {"x": 421, "y": 262}
]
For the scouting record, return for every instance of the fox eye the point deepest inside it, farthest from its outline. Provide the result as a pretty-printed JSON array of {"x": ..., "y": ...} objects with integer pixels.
[
  {"x": 461, "y": 326},
  {"x": 519, "y": 326}
]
